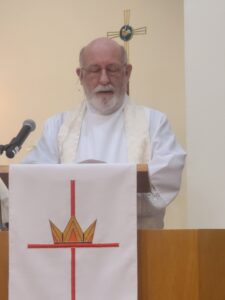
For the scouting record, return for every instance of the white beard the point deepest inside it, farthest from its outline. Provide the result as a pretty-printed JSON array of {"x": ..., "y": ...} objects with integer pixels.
[{"x": 106, "y": 106}]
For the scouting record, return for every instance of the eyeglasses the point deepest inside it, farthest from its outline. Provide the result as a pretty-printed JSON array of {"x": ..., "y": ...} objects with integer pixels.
[{"x": 111, "y": 70}]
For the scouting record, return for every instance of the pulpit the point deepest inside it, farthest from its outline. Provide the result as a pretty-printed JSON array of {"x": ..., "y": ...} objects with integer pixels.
[{"x": 172, "y": 264}]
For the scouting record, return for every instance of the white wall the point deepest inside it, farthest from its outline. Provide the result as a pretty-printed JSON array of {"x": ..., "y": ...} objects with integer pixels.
[
  {"x": 205, "y": 112},
  {"x": 40, "y": 41}
]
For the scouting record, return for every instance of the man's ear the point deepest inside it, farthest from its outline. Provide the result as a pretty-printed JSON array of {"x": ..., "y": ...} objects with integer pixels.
[
  {"x": 79, "y": 74},
  {"x": 128, "y": 70}
]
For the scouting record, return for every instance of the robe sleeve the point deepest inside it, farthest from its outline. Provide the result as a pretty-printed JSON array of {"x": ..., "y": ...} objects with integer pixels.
[
  {"x": 165, "y": 170},
  {"x": 166, "y": 162},
  {"x": 46, "y": 149}
]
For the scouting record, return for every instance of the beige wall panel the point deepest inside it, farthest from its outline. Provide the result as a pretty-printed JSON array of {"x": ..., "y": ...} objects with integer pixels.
[
  {"x": 40, "y": 42},
  {"x": 205, "y": 93}
]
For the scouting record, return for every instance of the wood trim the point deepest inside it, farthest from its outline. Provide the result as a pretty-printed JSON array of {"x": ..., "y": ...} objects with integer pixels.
[
  {"x": 143, "y": 183},
  {"x": 140, "y": 168}
]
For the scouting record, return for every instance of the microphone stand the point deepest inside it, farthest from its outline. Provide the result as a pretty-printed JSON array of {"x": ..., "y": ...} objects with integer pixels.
[{"x": 4, "y": 148}]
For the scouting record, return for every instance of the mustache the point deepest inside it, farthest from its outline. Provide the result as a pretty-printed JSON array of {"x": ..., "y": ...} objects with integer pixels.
[{"x": 104, "y": 88}]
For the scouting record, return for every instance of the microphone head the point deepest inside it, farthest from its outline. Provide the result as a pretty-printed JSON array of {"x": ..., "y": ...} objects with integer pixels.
[{"x": 30, "y": 123}]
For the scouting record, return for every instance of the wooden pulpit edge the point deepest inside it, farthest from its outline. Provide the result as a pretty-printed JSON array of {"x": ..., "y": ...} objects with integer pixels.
[
  {"x": 140, "y": 168},
  {"x": 143, "y": 183}
]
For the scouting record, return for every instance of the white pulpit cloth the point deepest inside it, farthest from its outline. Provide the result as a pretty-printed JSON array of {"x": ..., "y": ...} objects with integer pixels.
[{"x": 39, "y": 193}]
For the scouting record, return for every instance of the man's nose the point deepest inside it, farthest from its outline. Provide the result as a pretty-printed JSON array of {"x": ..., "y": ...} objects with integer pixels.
[{"x": 104, "y": 77}]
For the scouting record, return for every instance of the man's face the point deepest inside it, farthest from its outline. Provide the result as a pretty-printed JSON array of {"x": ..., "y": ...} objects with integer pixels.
[{"x": 104, "y": 76}]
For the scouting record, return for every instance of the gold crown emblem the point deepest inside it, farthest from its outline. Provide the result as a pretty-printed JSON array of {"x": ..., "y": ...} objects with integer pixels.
[{"x": 73, "y": 232}]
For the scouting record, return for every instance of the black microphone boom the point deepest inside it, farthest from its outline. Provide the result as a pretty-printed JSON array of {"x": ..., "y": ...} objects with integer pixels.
[{"x": 17, "y": 142}]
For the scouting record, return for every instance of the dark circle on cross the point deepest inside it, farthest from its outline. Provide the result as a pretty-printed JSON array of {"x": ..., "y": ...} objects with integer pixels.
[{"x": 126, "y": 33}]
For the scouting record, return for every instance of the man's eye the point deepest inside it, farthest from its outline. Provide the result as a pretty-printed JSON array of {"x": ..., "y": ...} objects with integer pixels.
[
  {"x": 113, "y": 69},
  {"x": 94, "y": 70}
]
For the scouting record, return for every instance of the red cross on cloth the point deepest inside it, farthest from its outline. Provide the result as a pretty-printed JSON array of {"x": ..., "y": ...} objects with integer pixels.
[{"x": 73, "y": 246}]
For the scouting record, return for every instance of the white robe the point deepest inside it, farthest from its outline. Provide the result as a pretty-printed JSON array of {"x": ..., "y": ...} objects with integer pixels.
[{"x": 103, "y": 138}]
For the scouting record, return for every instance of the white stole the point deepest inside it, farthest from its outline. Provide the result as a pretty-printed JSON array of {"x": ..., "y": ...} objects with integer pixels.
[{"x": 136, "y": 131}]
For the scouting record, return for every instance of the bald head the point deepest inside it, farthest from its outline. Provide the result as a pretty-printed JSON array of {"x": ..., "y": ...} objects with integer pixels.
[{"x": 103, "y": 44}]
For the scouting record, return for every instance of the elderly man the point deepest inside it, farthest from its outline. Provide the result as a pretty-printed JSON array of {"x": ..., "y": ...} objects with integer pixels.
[{"x": 108, "y": 127}]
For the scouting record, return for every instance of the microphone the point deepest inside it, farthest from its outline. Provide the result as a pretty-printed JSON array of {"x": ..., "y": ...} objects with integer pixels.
[{"x": 17, "y": 142}]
